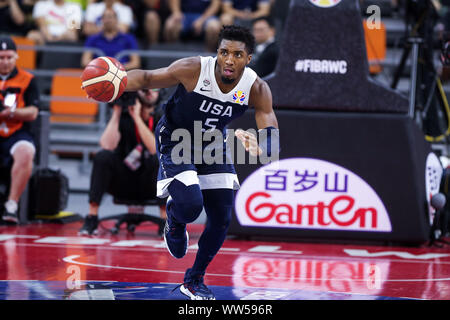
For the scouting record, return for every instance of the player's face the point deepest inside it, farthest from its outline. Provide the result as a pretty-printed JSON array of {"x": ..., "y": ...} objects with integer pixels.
[
  {"x": 232, "y": 57},
  {"x": 7, "y": 61}
]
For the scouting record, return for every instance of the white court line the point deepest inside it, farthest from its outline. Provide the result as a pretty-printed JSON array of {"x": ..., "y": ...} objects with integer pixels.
[
  {"x": 230, "y": 251},
  {"x": 71, "y": 259},
  {"x": 6, "y": 237}
]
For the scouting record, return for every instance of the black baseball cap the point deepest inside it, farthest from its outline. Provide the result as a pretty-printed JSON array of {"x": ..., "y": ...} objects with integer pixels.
[{"x": 6, "y": 43}]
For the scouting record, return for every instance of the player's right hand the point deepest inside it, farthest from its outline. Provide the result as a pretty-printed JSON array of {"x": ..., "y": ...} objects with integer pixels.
[{"x": 249, "y": 142}]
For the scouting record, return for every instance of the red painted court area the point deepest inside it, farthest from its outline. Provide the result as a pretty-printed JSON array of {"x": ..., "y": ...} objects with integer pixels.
[{"x": 49, "y": 261}]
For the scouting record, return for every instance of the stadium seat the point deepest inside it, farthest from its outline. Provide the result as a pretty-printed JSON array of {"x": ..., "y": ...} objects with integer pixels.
[
  {"x": 52, "y": 60},
  {"x": 156, "y": 63},
  {"x": 27, "y": 56},
  {"x": 68, "y": 101},
  {"x": 163, "y": 61},
  {"x": 375, "y": 47}
]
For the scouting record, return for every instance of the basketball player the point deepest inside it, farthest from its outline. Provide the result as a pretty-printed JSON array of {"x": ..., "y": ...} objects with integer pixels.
[{"x": 213, "y": 90}]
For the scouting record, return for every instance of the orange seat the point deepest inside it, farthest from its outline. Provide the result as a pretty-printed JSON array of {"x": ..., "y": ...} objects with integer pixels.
[
  {"x": 68, "y": 100},
  {"x": 375, "y": 46},
  {"x": 26, "y": 51}
]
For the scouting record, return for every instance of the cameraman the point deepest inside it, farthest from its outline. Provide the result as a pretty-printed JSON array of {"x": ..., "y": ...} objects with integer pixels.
[{"x": 127, "y": 165}]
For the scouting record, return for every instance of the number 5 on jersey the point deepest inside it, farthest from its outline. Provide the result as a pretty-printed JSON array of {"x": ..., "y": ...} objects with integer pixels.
[{"x": 210, "y": 124}]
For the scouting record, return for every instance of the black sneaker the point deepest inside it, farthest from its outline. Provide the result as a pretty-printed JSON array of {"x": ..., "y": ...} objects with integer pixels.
[
  {"x": 176, "y": 237},
  {"x": 10, "y": 217},
  {"x": 194, "y": 287},
  {"x": 9, "y": 213},
  {"x": 90, "y": 225}
]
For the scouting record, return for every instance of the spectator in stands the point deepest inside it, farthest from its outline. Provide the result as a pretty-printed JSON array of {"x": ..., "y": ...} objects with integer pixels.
[
  {"x": 129, "y": 131},
  {"x": 242, "y": 12},
  {"x": 193, "y": 17},
  {"x": 56, "y": 21},
  {"x": 82, "y": 3},
  {"x": 12, "y": 17},
  {"x": 19, "y": 101},
  {"x": 112, "y": 41},
  {"x": 94, "y": 13},
  {"x": 265, "y": 57},
  {"x": 150, "y": 15}
]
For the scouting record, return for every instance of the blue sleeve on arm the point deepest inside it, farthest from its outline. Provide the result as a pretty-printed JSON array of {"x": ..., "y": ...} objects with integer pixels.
[{"x": 269, "y": 141}]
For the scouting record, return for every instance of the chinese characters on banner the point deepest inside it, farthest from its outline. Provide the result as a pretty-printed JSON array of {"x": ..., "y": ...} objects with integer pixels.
[
  {"x": 302, "y": 180},
  {"x": 310, "y": 193}
]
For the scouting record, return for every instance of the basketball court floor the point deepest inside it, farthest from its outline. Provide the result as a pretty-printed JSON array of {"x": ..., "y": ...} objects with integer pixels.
[{"x": 50, "y": 261}]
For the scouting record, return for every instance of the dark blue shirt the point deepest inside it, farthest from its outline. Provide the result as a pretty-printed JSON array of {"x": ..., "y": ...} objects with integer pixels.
[
  {"x": 194, "y": 6},
  {"x": 246, "y": 4},
  {"x": 207, "y": 103},
  {"x": 122, "y": 41}
]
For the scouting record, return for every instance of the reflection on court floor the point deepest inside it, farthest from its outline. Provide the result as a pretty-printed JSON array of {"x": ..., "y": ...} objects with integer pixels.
[
  {"x": 109, "y": 290},
  {"x": 50, "y": 262}
]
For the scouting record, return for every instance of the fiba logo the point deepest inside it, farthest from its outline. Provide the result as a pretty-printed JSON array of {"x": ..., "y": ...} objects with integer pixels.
[{"x": 325, "y": 3}]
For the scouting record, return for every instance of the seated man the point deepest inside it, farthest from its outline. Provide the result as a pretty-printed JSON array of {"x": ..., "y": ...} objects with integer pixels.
[
  {"x": 111, "y": 41},
  {"x": 193, "y": 17},
  {"x": 127, "y": 167},
  {"x": 56, "y": 20},
  {"x": 19, "y": 100},
  {"x": 94, "y": 13},
  {"x": 266, "y": 52}
]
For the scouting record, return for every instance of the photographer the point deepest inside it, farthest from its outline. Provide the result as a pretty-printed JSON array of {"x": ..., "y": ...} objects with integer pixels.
[{"x": 127, "y": 165}]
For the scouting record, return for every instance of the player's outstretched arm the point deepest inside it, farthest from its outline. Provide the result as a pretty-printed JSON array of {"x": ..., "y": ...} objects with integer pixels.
[{"x": 184, "y": 71}]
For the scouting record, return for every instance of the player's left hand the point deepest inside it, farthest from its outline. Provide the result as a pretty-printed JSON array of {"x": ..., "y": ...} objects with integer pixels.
[{"x": 249, "y": 142}]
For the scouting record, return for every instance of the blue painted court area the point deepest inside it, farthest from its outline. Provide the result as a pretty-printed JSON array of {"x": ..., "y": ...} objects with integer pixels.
[{"x": 104, "y": 290}]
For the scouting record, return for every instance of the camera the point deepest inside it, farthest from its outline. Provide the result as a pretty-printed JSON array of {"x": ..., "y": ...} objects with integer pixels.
[{"x": 126, "y": 100}]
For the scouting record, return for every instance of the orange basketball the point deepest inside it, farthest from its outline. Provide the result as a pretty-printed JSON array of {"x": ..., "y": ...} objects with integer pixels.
[{"x": 104, "y": 79}]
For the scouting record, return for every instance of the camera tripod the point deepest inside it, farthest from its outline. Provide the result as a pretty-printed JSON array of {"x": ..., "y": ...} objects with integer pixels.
[{"x": 420, "y": 19}]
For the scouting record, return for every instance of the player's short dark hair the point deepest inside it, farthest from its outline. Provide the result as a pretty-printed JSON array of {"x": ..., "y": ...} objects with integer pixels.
[{"x": 238, "y": 33}]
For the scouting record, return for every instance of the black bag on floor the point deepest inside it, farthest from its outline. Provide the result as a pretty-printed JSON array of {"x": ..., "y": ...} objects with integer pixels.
[{"x": 49, "y": 192}]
